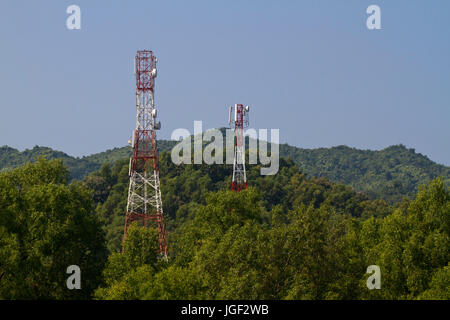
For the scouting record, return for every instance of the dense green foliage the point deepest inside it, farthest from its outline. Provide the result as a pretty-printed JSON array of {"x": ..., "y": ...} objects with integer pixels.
[
  {"x": 47, "y": 225},
  {"x": 389, "y": 174},
  {"x": 287, "y": 237},
  {"x": 318, "y": 246}
]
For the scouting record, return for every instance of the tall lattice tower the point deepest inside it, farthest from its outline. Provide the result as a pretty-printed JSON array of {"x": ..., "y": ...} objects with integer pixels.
[
  {"x": 240, "y": 121},
  {"x": 144, "y": 193}
]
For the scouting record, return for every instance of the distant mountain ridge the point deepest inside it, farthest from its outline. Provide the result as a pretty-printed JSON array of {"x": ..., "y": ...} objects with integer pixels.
[{"x": 389, "y": 174}]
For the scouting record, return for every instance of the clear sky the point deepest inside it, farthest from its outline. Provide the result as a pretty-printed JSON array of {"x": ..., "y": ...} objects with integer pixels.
[{"x": 310, "y": 68}]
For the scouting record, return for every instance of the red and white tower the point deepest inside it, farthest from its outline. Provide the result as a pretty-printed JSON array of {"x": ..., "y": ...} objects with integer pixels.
[
  {"x": 144, "y": 192},
  {"x": 240, "y": 121}
]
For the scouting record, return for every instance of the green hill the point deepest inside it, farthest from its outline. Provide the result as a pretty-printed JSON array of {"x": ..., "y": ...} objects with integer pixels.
[
  {"x": 12, "y": 158},
  {"x": 390, "y": 174},
  {"x": 78, "y": 167}
]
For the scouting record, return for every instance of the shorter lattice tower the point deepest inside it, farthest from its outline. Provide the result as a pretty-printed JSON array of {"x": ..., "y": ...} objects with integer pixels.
[{"x": 241, "y": 120}]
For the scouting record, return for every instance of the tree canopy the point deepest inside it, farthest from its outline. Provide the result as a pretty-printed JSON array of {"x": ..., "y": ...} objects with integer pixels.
[
  {"x": 288, "y": 236},
  {"x": 47, "y": 225}
]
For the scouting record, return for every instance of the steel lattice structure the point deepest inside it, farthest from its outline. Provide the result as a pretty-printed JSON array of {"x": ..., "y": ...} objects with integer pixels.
[
  {"x": 144, "y": 192},
  {"x": 240, "y": 121}
]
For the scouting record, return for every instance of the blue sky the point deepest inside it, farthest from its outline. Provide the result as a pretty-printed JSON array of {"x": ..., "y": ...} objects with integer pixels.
[{"x": 310, "y": 68}]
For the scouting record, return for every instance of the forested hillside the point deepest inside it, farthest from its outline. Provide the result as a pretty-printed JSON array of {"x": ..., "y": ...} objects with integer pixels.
[
  {"x": 78, "y": 167},
  {"x": 287, "y": 237},
  {"x": 389, "y": 174}
]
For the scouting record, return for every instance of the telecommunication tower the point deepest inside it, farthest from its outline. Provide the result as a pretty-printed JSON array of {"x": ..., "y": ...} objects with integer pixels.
[
  {"x": 144, "y": 192},
  {"x": 240, "y": 121}
]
